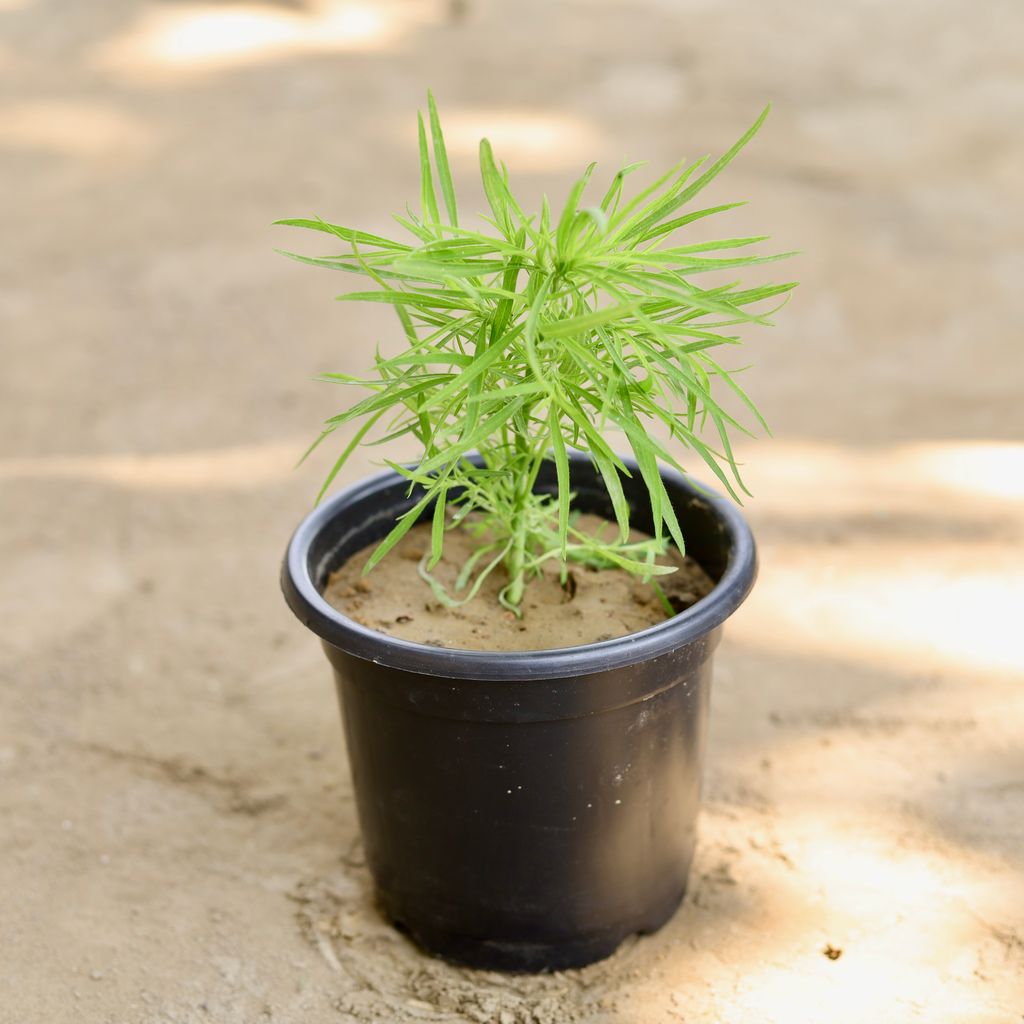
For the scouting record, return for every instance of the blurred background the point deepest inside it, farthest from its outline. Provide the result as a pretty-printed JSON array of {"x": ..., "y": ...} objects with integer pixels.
[{"x": 173, "y": 795}]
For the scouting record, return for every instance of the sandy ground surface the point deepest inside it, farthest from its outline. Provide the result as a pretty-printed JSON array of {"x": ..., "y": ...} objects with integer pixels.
[{"x": 177, "y": 837}]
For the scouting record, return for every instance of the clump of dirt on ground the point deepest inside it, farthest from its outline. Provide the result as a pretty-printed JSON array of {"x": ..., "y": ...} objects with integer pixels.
[{"x": 594, "y": 605}]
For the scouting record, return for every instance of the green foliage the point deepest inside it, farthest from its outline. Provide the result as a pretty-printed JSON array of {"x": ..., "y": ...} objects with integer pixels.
[{"x": 534, "y": 335}]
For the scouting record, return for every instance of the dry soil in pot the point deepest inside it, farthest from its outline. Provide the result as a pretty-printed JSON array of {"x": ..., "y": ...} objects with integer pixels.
[{"x": 597, "y": 605}]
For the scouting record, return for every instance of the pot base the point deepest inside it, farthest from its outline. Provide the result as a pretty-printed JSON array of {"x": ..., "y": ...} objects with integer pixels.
[{"x": 524, "y": 957}]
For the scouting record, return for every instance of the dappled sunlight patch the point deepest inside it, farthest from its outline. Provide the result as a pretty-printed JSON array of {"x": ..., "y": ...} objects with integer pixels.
[
  {"x": 865, "y": 984},
  {"x": 73, "y": 128},
  {"x": 802, "y": 477},
  {"x": 824, "y": 910},
  {"x": 911, "y": 614},
  {"x": 928, "y": 576},
  {"x": 989, "y": 470},
  {"x": 184, "y": 37},
  {"x": 871, "y": 932},
  {"x": 528, "y": 140},
  {"x": 866, "y": 878},
  {"x": 215, "y": 469}
]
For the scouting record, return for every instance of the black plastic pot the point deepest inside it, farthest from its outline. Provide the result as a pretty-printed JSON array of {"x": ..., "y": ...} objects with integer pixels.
[{"x": 525, "y": 811}]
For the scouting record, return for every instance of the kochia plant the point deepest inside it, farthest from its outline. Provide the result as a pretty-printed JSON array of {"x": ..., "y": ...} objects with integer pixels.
[{"x": 539, "y": 333}]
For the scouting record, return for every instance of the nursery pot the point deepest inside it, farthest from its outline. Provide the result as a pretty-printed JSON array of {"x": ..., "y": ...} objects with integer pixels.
[{"x": 529, "y": 810}]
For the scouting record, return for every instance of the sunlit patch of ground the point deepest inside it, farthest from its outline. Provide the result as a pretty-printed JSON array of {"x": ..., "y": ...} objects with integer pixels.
[
  {"x": 179, "y": 38},
  {"x": 527, "y": 140},
  {"x": 924, "y": 609},
  {"x": 218, "y": 469},
  {"x": 918, "y": 555},
  {"x": 987, "y": 470},
  {"x": 827, "y": 476}
]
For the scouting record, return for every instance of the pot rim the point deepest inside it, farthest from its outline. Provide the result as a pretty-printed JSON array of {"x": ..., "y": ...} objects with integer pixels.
[{"x": 337, "y": 629}]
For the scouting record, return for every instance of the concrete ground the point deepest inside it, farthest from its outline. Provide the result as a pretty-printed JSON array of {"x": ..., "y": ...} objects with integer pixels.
[{"x": 177, "y": 838}]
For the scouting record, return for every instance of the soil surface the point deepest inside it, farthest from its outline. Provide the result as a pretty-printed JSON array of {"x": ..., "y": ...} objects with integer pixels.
[
  {"x": 592, "y": 606},
  {"x": 178, "y": 838}
]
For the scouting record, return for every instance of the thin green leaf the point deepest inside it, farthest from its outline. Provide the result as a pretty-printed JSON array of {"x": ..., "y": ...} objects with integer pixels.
[
  {"x": 587, "y": 321},
  {"x": 444, "y": 174},
  {"x": 361, "y": 237},
  {"x": 428, "y": 200},
  {"x": 401, "y": 528},
  {"x": 344, "y": 456}
]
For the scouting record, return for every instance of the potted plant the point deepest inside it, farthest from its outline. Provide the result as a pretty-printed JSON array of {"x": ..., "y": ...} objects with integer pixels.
[{"x": 528, "y": 785}]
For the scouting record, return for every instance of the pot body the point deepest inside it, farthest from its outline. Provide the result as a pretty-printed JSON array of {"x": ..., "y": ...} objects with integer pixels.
[
  {"x": 528, "y": 824},
  {"x": 530, "y": 810}
]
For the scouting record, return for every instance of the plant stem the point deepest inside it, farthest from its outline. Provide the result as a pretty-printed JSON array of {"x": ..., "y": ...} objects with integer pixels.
[
  {"x": 518, "y": 526},
  {"x": 516, "y": 565}
]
